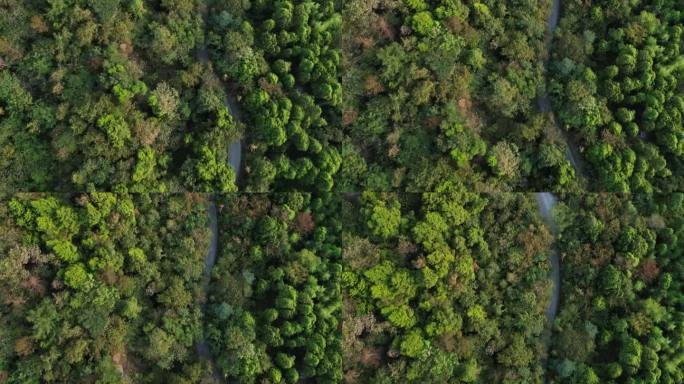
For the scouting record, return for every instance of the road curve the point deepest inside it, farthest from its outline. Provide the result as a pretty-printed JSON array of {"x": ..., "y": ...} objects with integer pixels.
[{"x": 235, "y": 148}]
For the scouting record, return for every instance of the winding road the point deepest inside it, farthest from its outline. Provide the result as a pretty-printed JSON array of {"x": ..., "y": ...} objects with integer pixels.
[
  {"x": 546, "y": 200},
  {"x": 235, "y": 149},
  {"x": 235, "y": 161}
]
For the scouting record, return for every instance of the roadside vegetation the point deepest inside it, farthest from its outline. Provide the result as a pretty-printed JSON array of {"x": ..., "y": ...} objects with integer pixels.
[
  {"x": 437, "y": 91},
  {"x": 621, "y": 317},
  {"x": 101, "y": 288},
  {"x": 400, "y": 161},
  {"x": 617, "y": 70},
  {"x": 108, "y": 96},
  {"x": 274, "y": 307},
  {"x": 282, "y": 60},
  {"x": 445, "y": 287}
]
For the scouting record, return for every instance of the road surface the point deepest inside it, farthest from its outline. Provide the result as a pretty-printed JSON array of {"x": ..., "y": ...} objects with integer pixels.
[
  {"x": 202, "y": 346},
  {"x": 547, "y": 202}
]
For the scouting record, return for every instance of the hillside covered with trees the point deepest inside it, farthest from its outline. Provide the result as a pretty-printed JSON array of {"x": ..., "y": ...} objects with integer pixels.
[{"x": 372, "y": 288}]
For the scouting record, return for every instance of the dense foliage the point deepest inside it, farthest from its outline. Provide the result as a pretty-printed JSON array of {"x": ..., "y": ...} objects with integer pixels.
[
  {"x": 445, "y": 287},
  {"x": 107, "y": 95},
  {"x": 439, "y": 90},
  {"x": 282, "y": 59},
  {"x": 622, "y": 317},
  {"x": 101, "y": 288},
  {"x": 617, "y": 73},
  {"x": 274, "y": 304}
]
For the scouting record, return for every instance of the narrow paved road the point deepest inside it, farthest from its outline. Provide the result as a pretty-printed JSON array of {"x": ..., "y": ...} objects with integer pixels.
[
  {"x": 235, "y": 160},
  {"x": 235, "y": 149},
  {"x": 202, "y": 346},
  {"x": 547, "y": 202}
]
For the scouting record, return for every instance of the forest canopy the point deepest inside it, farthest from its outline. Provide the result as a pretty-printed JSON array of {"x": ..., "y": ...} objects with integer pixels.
[
  {"x": 448, "y": 90},
  {"x": 328, "y": 191},
  {"x": 616, "y": 84},
  {"x": 101, "y": 287},
  {"x": 110, "y": 96}
]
